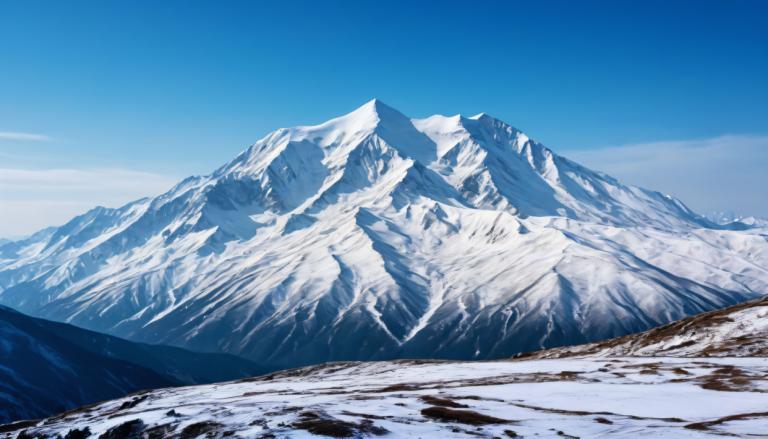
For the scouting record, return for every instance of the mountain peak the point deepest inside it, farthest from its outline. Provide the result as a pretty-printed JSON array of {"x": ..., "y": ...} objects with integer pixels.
[
  {"x": 376, "y": 117},
  {"x": 374, "y": 113}
]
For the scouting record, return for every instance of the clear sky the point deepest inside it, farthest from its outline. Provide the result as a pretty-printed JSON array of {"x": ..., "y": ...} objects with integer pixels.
[{"x": 102, "y": 101}]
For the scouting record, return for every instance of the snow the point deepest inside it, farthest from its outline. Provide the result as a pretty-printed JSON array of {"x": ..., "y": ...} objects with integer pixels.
[
  {"x": 534, "y": 397},
  {"x": 375, "y": 236},
  {"x": 735, "y": 331}
]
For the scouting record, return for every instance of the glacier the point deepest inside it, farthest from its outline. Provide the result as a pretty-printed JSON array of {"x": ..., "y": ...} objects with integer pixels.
[{"x": 376, "y": 236}]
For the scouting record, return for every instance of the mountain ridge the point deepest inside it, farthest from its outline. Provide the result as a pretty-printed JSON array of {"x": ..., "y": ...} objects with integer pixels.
[
  {"x": 48, "y": 367},
  {"x": 375, "y": 236}
]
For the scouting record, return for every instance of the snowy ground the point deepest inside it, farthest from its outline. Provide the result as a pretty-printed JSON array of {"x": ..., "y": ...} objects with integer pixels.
[{"x": 581, "y": 397}]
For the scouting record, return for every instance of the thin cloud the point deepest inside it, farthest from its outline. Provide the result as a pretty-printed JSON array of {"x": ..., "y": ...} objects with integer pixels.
[
  {"x": 23, "y": 137},
  {"x": 32, "y": 199},
  {"x": 726, "y": 173}
]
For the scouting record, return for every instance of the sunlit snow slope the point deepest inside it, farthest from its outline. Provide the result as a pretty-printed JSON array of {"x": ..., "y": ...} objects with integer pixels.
[{"x": 376, "y": 236}]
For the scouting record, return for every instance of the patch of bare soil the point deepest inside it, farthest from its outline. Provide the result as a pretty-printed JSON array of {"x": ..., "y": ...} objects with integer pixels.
[
  {"x": 685, "y": 344},
  {"x": 364, "y": 415},
  {"x": 398, "y": 388},
  {"x": 321, "y": 424},
  {"x": 461, "y": 416},
  {"x": 586, "y": 413},
  {"x": 568, "y": 374},
  {"x": 159, "y": 432},
  {"x": 728, "y": 379},
  {"x": 442, "y": 402},
  {"x": 198, "y": 429},
  {"x": 651, "y": 366},
  {"x": 132, "y": 429},
  {"x": 133, "y": 402},
  {"x": 706, "y": 425}
]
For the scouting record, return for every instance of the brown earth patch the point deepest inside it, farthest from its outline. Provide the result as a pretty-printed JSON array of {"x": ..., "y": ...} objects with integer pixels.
[
  {"x": 133, "y": 402},
  {"x": 364, "y": 415},
  {"x": 706, "y": 425},
  {"x": 321, "y": 424},
  {"x": 397, "y": 388},
  {"x": 461, "y": 416},
  {"x": 130, "y": 429},
  {"x": 586, "y": 413},
  {"x": 198, "y": 429},
  {"x": 442, "y": 402}
]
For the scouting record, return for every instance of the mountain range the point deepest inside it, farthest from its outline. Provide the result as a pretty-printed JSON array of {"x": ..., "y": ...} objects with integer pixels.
[
  {"x": 48, "y": 367},
  {"x": 378, "y": 236}
]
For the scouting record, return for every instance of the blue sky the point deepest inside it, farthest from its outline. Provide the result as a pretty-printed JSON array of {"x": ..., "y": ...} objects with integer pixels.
[{"x": 116, "y": 93}]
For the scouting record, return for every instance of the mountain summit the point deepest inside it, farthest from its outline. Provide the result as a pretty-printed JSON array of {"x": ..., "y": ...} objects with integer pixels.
[{"x": 376, "y": 236}]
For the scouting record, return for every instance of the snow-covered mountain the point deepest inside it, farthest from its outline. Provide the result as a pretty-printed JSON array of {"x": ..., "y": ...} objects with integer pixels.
[
  {"x": 376, "y": 236},
  {"x": 47, "y": 367},
  {"x": 733, "y": 220}
]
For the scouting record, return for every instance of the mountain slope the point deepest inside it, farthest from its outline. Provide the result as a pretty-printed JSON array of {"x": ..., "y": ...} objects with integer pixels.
[
  {"x": 374, "y": 236},
  {"x": 47, "y": 367},
  {"x": 180, "y": 365},
  {"x": 42, "y": 374},
  {"x": 737, "y": 331},
  {"x": 682, "y": 392}
]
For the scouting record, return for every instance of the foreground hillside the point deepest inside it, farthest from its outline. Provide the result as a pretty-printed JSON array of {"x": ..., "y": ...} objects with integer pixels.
[
  {"x": 589, "y": 397},
  {"x": 597, "y": 391},
  {"x": 736, "y": 331},
  {"x": 48, "y": 367},
  {"x": 375, "y": 236}
]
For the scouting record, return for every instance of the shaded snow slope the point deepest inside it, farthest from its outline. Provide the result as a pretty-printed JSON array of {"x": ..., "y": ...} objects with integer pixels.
[
  {"x": 589, "y": 397},
  {"x": 47, "y": 367},
  {"x": 374, "y": 236},
  {"x": 41, "y": 374},
  {"x": 736, "y": 331}
]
